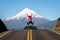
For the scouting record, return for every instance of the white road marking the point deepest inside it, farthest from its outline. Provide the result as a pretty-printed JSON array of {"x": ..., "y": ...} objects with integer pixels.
[{"x": 5, "y": 33}]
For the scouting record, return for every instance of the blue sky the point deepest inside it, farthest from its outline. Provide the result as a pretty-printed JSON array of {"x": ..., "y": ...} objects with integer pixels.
[{"x": 47, "y": 8}]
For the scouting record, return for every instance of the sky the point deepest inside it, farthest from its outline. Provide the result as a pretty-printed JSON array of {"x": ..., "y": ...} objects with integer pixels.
[{"x": 49, "y": 9}]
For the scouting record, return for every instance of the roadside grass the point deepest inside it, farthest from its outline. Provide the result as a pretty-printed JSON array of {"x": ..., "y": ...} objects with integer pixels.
[
  {"x": 57, "y": 31},
  {"x": 3, "y": 33}
]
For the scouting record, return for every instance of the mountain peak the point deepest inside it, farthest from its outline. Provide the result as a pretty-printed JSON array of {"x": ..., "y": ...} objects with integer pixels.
[
  {"x": 26, "y": 9},
  {"x": 20, "y": 20},
  {"x": 29, "y": 12},
  {"x": 24, "y": 13}
]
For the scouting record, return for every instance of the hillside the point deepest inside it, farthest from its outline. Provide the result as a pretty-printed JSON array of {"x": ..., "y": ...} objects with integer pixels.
[
  {"x": 2, "y": 26},
  {"x": 57, "y": 27}
]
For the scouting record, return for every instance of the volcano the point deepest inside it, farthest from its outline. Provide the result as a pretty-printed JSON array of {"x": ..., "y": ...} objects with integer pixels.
[{"x": 19, "y": 21}]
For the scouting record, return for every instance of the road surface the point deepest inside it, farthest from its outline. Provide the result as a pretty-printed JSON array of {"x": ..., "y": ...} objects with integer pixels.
[
  {"x": 36, "y": 35},
  {"x": 44, "y": 35},
  {"x": 15, "y": 35}
]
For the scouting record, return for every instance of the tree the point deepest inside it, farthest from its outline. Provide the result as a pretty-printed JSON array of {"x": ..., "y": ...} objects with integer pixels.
[{"x": 30, "y": 27}]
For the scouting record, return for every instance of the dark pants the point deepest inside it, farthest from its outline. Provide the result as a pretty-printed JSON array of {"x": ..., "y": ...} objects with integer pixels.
[{"x": 30, "y": 23}]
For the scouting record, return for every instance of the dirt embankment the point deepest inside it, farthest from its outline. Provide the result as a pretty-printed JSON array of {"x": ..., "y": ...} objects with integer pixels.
[{"x": 57, "y": 27}]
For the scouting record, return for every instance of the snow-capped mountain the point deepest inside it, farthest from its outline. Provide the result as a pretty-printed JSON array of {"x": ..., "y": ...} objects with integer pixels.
[{"x": 20, "y": 20}]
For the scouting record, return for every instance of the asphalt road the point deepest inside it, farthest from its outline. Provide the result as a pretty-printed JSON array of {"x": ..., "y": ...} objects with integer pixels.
[
  {"x": 15, "y": 35},
  {"x": 44, "y": 35},
  {"x": 36, "y": 35}
]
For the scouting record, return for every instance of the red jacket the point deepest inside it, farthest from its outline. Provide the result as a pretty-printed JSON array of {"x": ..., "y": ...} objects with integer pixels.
[{"x": 30, "y": 18}]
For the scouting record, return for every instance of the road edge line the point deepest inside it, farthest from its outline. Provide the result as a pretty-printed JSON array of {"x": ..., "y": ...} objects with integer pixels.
[{"x": 5, "y": 33}]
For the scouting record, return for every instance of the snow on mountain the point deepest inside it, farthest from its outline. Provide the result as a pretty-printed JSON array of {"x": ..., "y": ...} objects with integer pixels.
[
  {"x": 24, "y": 13},
  {"x": 19, "y": 21}
]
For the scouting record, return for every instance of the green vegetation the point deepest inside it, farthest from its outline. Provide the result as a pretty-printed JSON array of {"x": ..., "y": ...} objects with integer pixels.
[
  {"x": 30, "y": 27},
  {"x": 3, "y": 33},
  {"x": 57, "y": 31}
]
